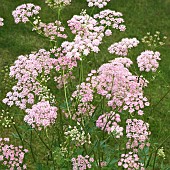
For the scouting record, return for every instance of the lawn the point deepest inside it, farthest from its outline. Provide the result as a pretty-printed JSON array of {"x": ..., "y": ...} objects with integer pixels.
[{"x": 140, "y": 17}]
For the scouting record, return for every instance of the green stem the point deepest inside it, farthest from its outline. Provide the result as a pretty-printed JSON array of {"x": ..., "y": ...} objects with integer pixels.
[
  {"x": 92, "y": 10},
  {"x": 61, "y": 124},
  {"x": 82, "y": 71},
  {"x": 59, "y": 11},
  {"x": 43, "y": 141},
  {"x": 33, "y": 156},
  {"x": 161, "y": 99},
  {"x": 65, "y": 94},
  {"x": 19, "y": 135},
  {"x": 149, "y": 160},
  {"x": 99, "y": 155}
]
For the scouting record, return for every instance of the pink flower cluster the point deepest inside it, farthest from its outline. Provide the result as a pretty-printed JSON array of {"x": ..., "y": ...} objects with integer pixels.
[
  {"x": 52, "y": 30},
  {"x": 109, "y": 18},
  {"x": 148, "y": 61},
  {"x": 41, "y": 115},
  {"x": 82, "y": 46},
  {"x": 137, "y": 131},
  {"x": 12, "y": 156},
  {"x": 82, "y": 24},
  {"x": 123, "y": 60},
  {"x": 84, "y": 92},
  {"x": 63, "y": 60},
  {"x": 82, "y": 163},
  {"x": 83, "y": 109},
  {"x": 88, "y": 36},
  {"x": 130, "y": 161},
  {"x": 97, "y": 3},
  {"x": 121, "y": 48},
  {"x": 121, "y": 88},
  {"x": 108, "y": 122},
  {"x": 26, "y": 71},
  {"x": 24, "y": 12},
  {"x": 1, "y": 22}
]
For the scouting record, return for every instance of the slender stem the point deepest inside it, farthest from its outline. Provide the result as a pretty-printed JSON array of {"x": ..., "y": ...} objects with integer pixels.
[
  {"x": 61, "y": 124},
  {"x": 161, "y": 98},
  {"x": 33, "y": 156},
  {"x": 95, "y": 158},
  {"x": 42, "y": 141},
  {"x": 22, "y": 141},
  {"x": 19, "y": 135},
  {"x": 59, "y": 10},
  {"x": 92, "y": 10},
  {"x": 149, "y": 160},
  {"x": 155, "y": 159},
  {"x": 84, "y": 146},
  {"x": 82, "y": 71},
  {"x": 65, "y": 94},
  {"x": 99, "y": 155}
]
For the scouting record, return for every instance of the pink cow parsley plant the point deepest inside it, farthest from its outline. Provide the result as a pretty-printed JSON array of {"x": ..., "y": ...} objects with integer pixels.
[{"x": 89, "y": 116}]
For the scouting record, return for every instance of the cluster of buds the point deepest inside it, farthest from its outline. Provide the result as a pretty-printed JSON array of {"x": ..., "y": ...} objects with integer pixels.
[
  {"x": 46, "y": 95},
  {"x": 161, "y": 153},
  {"x": 5, "y": 119},
  {"x": 57, "y": 3},
  {"x": 154, "y": 40},
  {"x": 77, "y": 135}
]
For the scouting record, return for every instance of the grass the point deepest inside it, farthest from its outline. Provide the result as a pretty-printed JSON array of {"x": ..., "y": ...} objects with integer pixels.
[{"x": 140, "y": 16}]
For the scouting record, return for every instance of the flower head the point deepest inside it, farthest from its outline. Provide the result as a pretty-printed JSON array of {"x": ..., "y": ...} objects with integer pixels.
[
  {"x": 97, "y": 3},
  {"x": 1, "y": 22},
  {"x": 148, "y": 61},
  {"x": 23, "y": 12},
  {"x": 41, "y": 115}
]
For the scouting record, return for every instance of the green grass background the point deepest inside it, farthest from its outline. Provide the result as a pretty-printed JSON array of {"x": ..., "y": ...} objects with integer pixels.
[{"x": 141, "y": 16}]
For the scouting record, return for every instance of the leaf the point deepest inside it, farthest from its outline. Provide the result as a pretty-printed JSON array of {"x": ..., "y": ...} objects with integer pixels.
[
  {"x": 15, "y": 135},
  {"x": 39, "y": 166}
]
